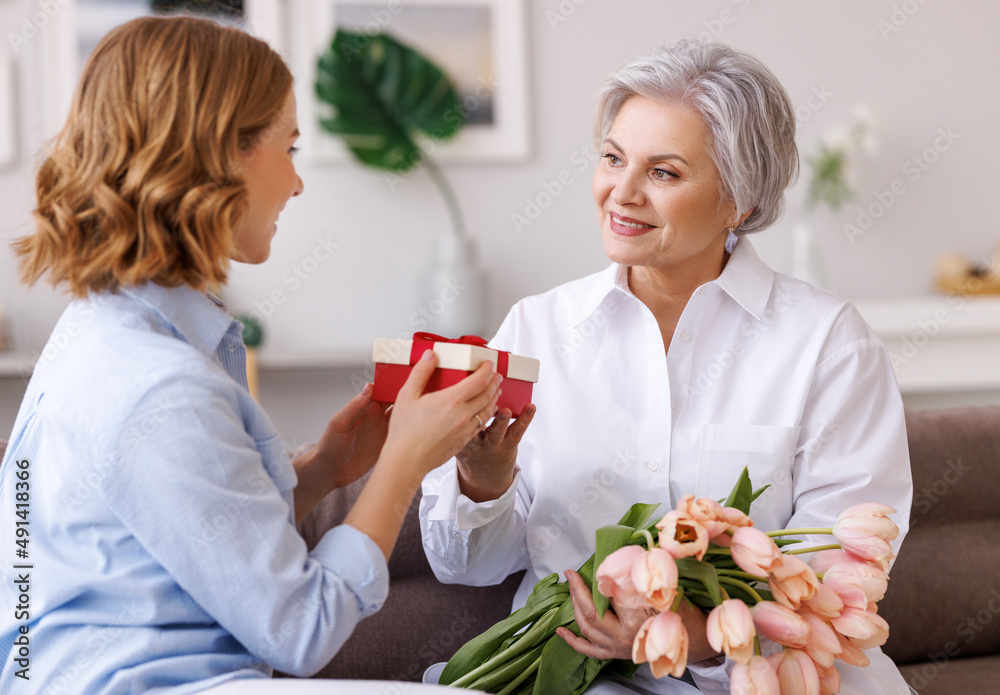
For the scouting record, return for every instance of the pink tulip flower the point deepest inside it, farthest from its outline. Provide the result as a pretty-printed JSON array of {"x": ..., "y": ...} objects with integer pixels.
[
  {"x": 757, "y": 677},
  {"x": 705, "y": 511},
  {"x": 654, "y": 576},
  {"x": 733, "y": 519},
  {"x": 823, "y": 645},
  {"x": 876, "y": 514},
  {"x": 870, "y": 580},
  {"x": 850, "y": 594},
  {"x": 825, "y": 559},
  {"x": 866, "y": 628},
  {"x": 825, "y": 602},
  {"x": 862, "y": 544},
  {"x": 614, "y": 577},
  {"x": 792, "y": 582},
  {"x": 851, "y": 653},
  {"x": 780, "y": 624},
  {"x": 730, "y": 629},
  {"x": 682, "y": 536},
  {"x": 829, "y": 680},
  {"x": 864, "y": 530},
  {"x": 754, "y": 551},
  {"x": 796, "y": 672},
  {"x": 663, "y": 642}
]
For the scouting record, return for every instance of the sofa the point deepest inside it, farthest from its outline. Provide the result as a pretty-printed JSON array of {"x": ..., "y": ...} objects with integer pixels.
[{"x": 943, "y": 603}]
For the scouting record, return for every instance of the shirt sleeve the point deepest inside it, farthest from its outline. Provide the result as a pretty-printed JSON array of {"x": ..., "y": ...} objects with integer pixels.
[
  {"x": 196, "y": 493},
  {"x": 852, "y": 447},
  {"x": 469, "y": 543}
]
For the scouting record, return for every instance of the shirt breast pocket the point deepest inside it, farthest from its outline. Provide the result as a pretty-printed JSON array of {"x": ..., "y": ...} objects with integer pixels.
[{"x": 767, "y": 451}]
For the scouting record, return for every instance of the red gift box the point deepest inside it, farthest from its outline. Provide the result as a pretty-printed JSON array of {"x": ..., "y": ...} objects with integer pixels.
[{"x": 456, "y": 359}]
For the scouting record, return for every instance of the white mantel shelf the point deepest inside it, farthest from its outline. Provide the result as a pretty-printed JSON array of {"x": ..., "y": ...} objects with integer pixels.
[
  {"x": 938, "y": 344},
  {"x": 16, "y": 364},
  {"x": 336, "y": 358}
]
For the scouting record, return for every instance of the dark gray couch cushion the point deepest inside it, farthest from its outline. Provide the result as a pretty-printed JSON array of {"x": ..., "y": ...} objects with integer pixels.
[
  {"x": 422, "y": 621},
  {"x": 976, "y": 676},
  {"x": 944, "y": 589}
]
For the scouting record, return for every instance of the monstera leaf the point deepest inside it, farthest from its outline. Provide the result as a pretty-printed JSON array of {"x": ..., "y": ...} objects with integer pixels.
[{"x": 383, "y": 93}]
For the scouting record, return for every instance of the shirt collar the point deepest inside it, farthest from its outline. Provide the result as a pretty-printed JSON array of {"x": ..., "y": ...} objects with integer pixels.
[
  {"x": 611, "y": 279},
  {"x": 746, "y": 279},
  {"x": 195, "y": 316}
]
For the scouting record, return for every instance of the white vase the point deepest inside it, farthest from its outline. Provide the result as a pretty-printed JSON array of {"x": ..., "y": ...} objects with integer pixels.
[
  {"x": 453, "y": 302},
  {"x": 807, "y": 262}
]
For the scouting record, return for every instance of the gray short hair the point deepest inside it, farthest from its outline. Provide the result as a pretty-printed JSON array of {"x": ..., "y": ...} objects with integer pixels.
[{"x": 746, "y": 109}]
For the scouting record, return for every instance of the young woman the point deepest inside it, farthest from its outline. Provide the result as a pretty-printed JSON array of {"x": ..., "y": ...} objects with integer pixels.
[{"x": 161, "y": 504}]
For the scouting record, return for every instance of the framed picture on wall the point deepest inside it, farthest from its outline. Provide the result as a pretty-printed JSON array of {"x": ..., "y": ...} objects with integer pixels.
[
  {"x": 8, "y": 115},
  {"x": 480, "y": 44},
  {"x": 76, "y": 26}
]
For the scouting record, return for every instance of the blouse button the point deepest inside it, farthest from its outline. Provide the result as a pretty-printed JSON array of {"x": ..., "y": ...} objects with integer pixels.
[
  {"x": 685, "y": 335},
  {"x": 653, "y": 465}
]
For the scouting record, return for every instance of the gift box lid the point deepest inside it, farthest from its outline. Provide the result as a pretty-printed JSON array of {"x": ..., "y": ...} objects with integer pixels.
[{"x": 466, "y": 356}]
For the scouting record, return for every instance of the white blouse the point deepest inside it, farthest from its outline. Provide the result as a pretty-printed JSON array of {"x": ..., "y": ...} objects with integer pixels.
[{"x": 763, "y": 371}]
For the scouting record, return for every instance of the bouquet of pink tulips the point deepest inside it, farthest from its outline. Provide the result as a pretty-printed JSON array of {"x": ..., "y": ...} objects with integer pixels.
[{"x": 750, "y": 583}]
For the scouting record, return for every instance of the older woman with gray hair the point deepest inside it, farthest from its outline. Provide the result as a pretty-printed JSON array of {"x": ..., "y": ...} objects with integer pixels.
[{"x": 681, "y": 363}]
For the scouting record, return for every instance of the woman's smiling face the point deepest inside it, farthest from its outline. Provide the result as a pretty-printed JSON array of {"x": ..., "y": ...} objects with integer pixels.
[
  {"x": 270, "y": 178},
  {"x": 657, "y": 190}
]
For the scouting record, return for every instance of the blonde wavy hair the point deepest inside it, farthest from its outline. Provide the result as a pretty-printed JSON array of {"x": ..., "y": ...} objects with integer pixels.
[{"x": 142, "y": 183}]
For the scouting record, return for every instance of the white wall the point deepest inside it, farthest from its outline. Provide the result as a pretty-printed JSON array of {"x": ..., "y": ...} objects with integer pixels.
[{"x": 936, "y": 69}]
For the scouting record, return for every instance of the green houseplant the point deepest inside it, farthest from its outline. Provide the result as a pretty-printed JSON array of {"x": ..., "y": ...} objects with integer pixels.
[
  {"x": 389, "y": 104},
  {"x": 384, "y": 95}
]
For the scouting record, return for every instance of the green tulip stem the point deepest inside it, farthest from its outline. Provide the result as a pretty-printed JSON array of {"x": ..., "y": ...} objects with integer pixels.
[
  {"x": 815, "y": 549},
  {"x": 732, "y": 581},
  {"x": 457, "y": 220},
  {"x": 521, "y": 678},
  {"x": 643, "y": 533},
  {"x": 756, "y": 646},
  {"x": 740, "y": 574},
  {"x": 799, "y": 532},
  {"x": 529, "y": 639},
  {"x": 677, "y": 599},
  {"x": 718, "y": 550}
]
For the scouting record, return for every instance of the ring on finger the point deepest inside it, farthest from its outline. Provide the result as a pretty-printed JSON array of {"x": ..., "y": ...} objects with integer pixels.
[{"x": 479, "y": 420}]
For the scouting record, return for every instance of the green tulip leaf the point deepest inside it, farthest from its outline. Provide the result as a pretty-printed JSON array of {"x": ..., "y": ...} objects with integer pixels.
[
  {"x": 639, "y": 515},
  {"x": 703, "y": 572},
  {"x": 563, "y": 670},
  {"x": 703, "y": 601},
  {"x": 500, "y": 676},
  {"x": 742, "y": 494},
  {"x": 383, "y": 93},
  {"x": 487, "y": 645}
]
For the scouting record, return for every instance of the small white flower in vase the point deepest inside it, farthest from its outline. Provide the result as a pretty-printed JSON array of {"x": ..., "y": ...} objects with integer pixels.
[{"x": 831, "y": 167}]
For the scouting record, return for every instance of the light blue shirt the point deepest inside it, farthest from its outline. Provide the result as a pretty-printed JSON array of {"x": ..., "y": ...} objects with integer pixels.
[{"x": 162, "y": 550}]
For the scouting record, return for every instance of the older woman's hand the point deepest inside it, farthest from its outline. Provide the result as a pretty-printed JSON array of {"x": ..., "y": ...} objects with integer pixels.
[
  {"x": 430, "y": 428},
  {"x": 486, "y": 464},
  {"x": 611, "y": 637}
]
